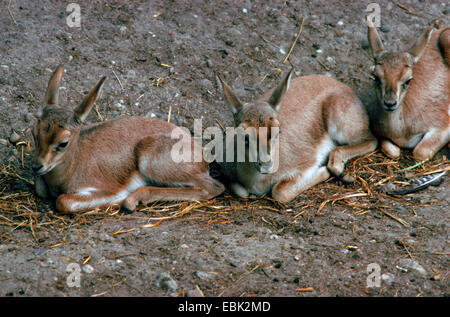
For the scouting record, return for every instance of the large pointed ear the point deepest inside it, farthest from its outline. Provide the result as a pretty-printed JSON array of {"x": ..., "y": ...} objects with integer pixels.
[
  {"x": 52, "y": 94},
  {"x": 232, "y": 100},
  {"x": 277, "y": 97},
  {"x": 82, "y": 111},
  {"x": 375, "y": 44},
  {"x": 421, "y": 43}
]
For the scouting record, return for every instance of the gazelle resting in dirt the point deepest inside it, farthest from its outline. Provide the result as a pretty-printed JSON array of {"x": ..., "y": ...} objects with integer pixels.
[
  {"x": 413, "y": 89},
  {"x": 123, "y": 161},
  {"x": 321, "y": 123}
]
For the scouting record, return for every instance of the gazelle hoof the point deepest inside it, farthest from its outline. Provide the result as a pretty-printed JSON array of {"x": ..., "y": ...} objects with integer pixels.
[
  {"x": 345, "y": 178},
  {"x": 126, "y": 211}
]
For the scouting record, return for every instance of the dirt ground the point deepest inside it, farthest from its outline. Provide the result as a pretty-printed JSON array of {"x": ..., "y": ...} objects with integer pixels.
[{"x": 161, "y": 55}]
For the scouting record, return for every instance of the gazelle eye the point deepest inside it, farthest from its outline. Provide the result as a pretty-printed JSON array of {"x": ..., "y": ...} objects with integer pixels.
[
  {"x": 406, "y": 83},
  {"x": 62, "y": 146}
]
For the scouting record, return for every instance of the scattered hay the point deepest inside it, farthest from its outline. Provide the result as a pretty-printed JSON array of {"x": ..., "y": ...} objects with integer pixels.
[{"x": 21, "y": 209}]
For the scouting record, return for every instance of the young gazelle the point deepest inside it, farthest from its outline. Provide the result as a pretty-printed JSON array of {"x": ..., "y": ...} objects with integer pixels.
[
  {"x": 413, "y": 89},
  {"x": 123, "y": 161},
  {"x": 321, "y": 123}
]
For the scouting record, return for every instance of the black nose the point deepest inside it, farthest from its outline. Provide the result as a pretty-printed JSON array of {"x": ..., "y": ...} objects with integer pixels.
[
  {"x": 36, "y": 167},
  {"x": 390, "y": 105}
]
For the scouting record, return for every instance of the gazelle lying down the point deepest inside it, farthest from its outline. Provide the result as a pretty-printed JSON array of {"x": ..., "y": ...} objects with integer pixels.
[
  {"x": 322, "y": 124},
  {"x": 123, "y": 161},
  {"x": 413, "y": 89}
]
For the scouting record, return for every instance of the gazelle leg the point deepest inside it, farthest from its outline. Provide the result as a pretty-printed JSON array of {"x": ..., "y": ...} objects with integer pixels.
[
  {"x": 204, "y": 187},
  {"x": 183, "y": 180},
  {"x": 287, "y": 189},
  {"x": 239, "y": 190},
  {"x": 356, "y": 138},
  {"x": 341, "y": 154},
  {"x": 390, "y": 149},
  {"x": 431, "y": 143},
  {"x": 75, "y": 203},
  {"x": 87, "y": 198}
]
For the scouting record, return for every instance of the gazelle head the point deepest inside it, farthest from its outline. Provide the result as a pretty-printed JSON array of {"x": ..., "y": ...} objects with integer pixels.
[
  {"x": 393, "y": 71},
  {"x": 57, "y": 128},
  {"x": 258, "y": 120}
]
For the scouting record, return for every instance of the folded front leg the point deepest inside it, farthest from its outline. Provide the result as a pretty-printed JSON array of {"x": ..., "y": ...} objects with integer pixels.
[
  {"x": 239, "y": 190},
  {"x": 431, "y": 143},
  {"x": 288, "y": 188},
  {"x": 390, "y": 149},
  {"x": 340, "y": 155}
]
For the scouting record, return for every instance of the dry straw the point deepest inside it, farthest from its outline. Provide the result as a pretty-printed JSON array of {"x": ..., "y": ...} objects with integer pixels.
[{"x": 20, "y": 209}]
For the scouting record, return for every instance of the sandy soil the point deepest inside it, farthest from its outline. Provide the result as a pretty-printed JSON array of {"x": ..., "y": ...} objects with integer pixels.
[{"x": 164, "y": 54}]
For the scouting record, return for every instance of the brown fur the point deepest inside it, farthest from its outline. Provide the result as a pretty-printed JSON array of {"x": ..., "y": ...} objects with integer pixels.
[
  {"x": 421, "y": 120},
  {"x": 123, "y": 161},
  {"x": 318, "y": 117}
]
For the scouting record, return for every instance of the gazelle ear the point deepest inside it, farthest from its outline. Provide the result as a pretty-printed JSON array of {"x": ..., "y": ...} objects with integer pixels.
[
  {"x": 82, "y": 111},
  {"x": 231, "y": 99},
  {"x": 277, "y": 97},
  {"x": 52, "y": 94},
  {"x": 375, "y": 44},
  {"x": 421, "y": 43}
]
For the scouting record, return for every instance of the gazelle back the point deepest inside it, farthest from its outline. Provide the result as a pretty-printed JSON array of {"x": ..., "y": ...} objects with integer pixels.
[{"x": 123, "y": 161}]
